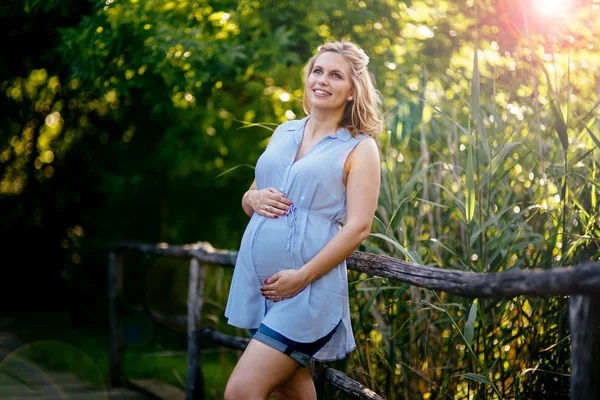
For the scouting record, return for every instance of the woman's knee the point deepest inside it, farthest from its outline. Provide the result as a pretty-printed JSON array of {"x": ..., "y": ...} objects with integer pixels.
[
  {"x": 298, "y": 387},
  {"x": 232, "y": 390},
  {"x": 239, "y": 390}
]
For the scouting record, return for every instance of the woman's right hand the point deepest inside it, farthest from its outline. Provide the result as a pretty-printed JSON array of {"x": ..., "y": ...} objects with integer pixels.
[{"x": 268, "y": 202}]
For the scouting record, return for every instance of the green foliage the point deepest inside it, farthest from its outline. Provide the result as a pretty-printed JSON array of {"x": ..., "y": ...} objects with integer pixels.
[{"x": 487, "y": 189}]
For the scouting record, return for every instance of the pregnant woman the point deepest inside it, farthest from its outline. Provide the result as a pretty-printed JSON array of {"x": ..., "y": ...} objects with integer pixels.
[{"x": 312, "y": 203}]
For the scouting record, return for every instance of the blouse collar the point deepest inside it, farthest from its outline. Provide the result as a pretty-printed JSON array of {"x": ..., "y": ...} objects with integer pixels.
[{"x": 341, "y": 133}]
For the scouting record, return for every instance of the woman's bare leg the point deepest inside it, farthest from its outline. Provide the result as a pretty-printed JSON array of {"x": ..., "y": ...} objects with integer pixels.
[
  {"x": 299, "y": 387},
  {"x": 259, "y": 371}
]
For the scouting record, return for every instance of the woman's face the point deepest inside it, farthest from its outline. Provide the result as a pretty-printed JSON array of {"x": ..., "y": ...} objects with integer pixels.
[{"x": 329, "y": 85}]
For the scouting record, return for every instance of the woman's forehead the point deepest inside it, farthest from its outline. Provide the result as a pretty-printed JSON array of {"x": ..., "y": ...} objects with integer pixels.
[{"x": 332, "y": 60}]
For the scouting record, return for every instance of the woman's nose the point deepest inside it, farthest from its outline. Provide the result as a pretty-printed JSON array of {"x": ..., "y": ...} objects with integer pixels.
[{"x": 323, "y": 80}]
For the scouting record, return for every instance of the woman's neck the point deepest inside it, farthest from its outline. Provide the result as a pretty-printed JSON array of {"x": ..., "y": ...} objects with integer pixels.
[{"x": 322, "y": 124}]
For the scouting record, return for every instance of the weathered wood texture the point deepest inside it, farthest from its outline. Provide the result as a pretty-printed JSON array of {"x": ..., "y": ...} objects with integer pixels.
[
  {"x": 169, "y": 320},
  {"x": 583, "y": 282},
  {"x": 195, "y": 384},
  {"x": 350, "y": 386},
  {"x": 115, "y": 298},
  {"x": 232, "y": 342},
  {"x": 157, "y": 389},
  {"x": 552, "y": 282},
  {"x": 584, "y": 279},
  {"x": 202, "y": 251},
  {"x": 584, "y": 318}
]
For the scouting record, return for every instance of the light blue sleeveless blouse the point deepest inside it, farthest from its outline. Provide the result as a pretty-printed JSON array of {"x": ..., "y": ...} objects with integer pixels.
[{"x": 314, "y": 184}]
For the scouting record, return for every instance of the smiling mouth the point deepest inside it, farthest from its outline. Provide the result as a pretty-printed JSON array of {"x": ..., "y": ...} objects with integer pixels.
[{"x": 321, "y": 92}]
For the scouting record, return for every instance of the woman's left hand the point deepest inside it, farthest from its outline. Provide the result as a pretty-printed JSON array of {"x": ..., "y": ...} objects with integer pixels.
[{"x": 284, "y": 285}]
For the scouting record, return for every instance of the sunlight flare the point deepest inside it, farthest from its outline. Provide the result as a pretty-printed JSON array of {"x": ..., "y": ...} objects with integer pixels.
[{"x": 553, "y": 6}]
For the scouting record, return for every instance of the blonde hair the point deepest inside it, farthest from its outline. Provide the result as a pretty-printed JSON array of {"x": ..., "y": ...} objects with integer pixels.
[{"x": 363, "y": 114}]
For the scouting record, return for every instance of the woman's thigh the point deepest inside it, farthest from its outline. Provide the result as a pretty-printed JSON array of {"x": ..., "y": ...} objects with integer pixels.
[
  {"x": 259, "y": 371},
  {"x": 299, "y": 387}
]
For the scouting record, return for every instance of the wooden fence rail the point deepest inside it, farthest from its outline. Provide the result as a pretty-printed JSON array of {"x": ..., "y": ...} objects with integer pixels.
[{"x": 582, "y": 283}]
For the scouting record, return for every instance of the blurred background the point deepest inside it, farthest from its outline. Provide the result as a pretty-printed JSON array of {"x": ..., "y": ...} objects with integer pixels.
[{"x": 141, "y": 120}]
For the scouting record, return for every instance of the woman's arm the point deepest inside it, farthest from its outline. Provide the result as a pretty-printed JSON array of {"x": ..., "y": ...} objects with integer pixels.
[
  {"x": 362, "y": 192},
  {"x": 245, "y": 204},
  {"x": 268, "y": 202}
]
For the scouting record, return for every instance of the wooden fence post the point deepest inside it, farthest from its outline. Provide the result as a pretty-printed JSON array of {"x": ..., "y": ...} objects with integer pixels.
[
  {"x": 115, "y": 302},
  {"x": 195, "y": 383},
  {"x": 317, "y": 370},
  {"x": 584, "y": 318}
]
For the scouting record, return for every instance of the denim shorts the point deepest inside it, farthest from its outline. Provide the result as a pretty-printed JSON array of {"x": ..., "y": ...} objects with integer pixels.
[{"x": 301, "y": 352}]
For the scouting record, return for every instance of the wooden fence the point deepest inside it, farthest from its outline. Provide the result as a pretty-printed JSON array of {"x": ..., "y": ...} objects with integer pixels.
[{"x": 581, "y": 283}]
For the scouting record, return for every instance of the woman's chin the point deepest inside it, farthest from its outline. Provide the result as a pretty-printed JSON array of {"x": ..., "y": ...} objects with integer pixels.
[{"x": 326, "y": 106}]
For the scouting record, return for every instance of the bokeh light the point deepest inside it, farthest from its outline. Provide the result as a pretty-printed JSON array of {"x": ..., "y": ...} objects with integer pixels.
[{"x": 24, "y": 372}]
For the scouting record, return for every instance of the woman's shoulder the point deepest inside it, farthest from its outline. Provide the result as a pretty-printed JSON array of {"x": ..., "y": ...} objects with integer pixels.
[
  {"x": 365, "y": 148},
  {"x": 361, "y": 137}
]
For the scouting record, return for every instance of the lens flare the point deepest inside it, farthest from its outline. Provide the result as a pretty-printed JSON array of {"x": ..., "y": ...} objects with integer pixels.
[
  {"x": 553, "y": 6},
  {"x": 41, "y": 369}
]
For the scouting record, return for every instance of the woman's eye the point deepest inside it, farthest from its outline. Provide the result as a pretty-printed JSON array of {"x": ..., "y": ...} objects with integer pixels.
[
  {"x": 316, "y": 71},
  {"x": 337, "y": 76}
]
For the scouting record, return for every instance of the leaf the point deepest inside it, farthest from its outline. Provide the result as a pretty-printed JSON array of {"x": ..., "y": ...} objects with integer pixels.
[
  {"x": 438, "y": 308},
  {"x": 476, "y": 105},
  {"x": 367, "y": 307},
  {"x": 431, "y": 202},
  {"x": 444, "y": 387},
  {"x": 594, "y": 138},
  {"x": 590, "y": 113},
  {"x": 593, "y": 194},
  {"x": 232, "y": 168},
  {"x": 396, "y": 245},
  {"x": 470, "y": 325},
  {"x": 489, "y": 223},
  {"x": 501, "y": 156},
  {"x": 559, "y": 120},
  {"x": 448, "y": 249},
  {"x": 449, "y": 193},
  {"x": 476, "y": 377},
  {"x": 470, "y": 190}
]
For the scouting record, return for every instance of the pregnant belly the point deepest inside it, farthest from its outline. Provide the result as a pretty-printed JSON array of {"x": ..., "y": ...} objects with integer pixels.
[{"x": 270, "y": 252}]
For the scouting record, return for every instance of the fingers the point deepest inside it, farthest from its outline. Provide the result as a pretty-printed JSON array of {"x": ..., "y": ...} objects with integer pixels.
[
  {"x": 274, "y": 295},
  {"x": 280, "y": 203},
  {"x": 270, "y": 212},
  {"x": 283, "y": 200},
  {"x": 278, "y": 196},
  {"x": 277, "y": 297},
  {"x": 269, "y": 283},
  {"x": 269, "y": 288},
  {"x": 270, "y": 206},
  {"x": 271, "y": 203}
]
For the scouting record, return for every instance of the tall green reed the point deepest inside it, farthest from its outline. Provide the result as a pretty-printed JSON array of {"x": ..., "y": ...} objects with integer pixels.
[{"x": 471, "y": 191}]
